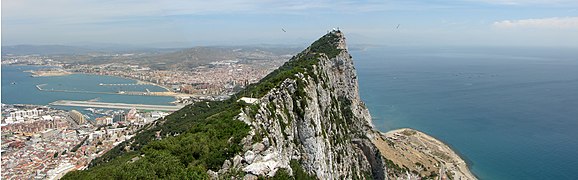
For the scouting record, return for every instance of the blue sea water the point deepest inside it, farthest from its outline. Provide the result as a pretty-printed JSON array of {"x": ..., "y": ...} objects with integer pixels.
[
  {"x": 18, "y": 87},
  {"x": 512, "y": 113}
]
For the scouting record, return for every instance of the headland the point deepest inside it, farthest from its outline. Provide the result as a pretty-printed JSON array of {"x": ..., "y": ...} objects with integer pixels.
[{"x": 411, "y": 150}]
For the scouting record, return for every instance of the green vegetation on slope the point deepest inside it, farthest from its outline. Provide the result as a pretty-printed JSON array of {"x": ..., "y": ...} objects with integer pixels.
[
  {"x": 327, "y": 45},
  {"x": 301, "y": 63},
  {"x": 298, "y": 173},
  {"x": 205, "y": 145},
  {"x": 178, "y": 123},
  {"x": 200, "y": 136}
]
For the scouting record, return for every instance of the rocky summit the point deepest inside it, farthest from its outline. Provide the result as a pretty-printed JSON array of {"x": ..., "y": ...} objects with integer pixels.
[
  {"x": 314, "y": 118},
  {"x": 305, "y": 120}
]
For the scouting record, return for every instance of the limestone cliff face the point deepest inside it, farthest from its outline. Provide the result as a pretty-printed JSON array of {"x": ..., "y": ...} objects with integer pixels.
[{"x": 316, "y": 119}]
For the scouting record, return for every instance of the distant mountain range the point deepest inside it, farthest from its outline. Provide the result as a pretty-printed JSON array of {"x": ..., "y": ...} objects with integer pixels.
[
  {"x": 196, "y": 56},
  {"x": 158, "y": 58},
  {"x": 42, "y": 50}
]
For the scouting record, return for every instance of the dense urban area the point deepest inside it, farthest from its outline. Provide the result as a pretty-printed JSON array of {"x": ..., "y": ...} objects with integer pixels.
[{"x": 42, "y": 142}]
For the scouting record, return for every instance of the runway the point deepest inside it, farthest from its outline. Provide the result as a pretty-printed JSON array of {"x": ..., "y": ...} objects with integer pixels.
[{"x": 115, "y": 105}]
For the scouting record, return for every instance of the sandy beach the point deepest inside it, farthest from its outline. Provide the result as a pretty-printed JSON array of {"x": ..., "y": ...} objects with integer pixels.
[{"x": 49, "y": 73}]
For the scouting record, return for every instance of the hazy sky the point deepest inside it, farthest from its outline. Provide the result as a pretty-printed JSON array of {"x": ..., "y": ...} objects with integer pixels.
[{"x": 165, "y": 22}]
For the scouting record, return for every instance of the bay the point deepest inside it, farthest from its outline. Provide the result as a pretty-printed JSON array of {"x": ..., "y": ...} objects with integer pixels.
[{"x": 19, "y": 87}]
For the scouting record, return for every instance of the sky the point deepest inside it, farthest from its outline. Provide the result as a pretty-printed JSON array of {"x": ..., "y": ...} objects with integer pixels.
[{"x": 552, "y": 23}]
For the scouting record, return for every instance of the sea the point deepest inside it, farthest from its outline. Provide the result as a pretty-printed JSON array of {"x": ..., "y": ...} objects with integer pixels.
[
  {"x": 511, "y": 113},
  {"x": 19, "y": 87}
]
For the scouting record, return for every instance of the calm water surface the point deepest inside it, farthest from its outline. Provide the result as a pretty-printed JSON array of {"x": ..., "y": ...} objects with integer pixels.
[
  {"x": 512, "y": 113},
  {"x": 19, "y": 87}
]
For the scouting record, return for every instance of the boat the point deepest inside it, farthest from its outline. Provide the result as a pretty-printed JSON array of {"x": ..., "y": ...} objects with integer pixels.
[{"x": 90, "y": 109}]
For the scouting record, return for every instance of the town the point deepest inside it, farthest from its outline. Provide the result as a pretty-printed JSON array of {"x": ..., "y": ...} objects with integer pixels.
[{"x": 40, "y": 142}]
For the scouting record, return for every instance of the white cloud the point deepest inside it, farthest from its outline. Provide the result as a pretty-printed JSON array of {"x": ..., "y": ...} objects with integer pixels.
[{"x": 543, "y": 23}]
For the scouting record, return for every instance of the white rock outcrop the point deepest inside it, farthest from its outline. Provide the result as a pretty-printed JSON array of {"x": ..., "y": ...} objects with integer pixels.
[{"x": 316, "y": 119}]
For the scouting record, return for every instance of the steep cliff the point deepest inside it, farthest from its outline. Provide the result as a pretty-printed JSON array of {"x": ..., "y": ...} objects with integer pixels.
[{"x": 316, "y": 118}]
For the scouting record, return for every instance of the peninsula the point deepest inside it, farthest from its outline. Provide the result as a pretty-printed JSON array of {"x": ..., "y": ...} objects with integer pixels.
[{"x": 304, "y": 120}]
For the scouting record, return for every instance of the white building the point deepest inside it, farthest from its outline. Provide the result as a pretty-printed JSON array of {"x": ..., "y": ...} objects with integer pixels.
[
  {"x": 158, "y": 114},
  {"x": 47, "y": 118},
  {"x": 26, "y": 113},
  {"x": 249, "y": 100}
]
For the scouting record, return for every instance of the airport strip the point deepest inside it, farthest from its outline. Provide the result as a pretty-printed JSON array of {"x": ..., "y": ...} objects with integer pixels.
[{"x": 115, "y": 105}]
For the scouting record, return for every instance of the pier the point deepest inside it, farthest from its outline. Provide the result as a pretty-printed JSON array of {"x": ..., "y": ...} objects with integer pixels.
[{"x": 115, "y": 105}]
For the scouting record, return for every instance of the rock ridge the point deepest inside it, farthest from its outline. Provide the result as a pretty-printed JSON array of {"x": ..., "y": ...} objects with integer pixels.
[{"x": 315, "y": 118}]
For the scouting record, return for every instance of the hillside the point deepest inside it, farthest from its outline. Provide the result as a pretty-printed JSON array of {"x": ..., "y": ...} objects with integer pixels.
[
  {"x": 193, "y": 57},
  {"x": 305, "y": 120}
]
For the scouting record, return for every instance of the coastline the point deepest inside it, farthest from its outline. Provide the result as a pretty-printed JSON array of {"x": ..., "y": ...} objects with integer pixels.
[
  {"x": 137, "y": 81},
  {"x": 64, "y": 72},
  {"x": 53, "y": 73},
  {"x": 411, "y": 150},
  {"x": 168, "y": 91}
]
